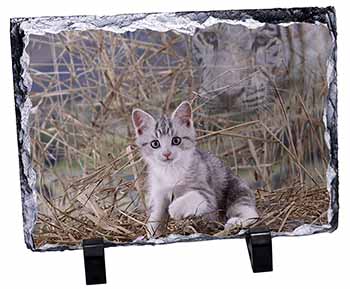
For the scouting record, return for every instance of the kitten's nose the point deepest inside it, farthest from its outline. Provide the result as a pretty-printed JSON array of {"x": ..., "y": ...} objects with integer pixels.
[{"x": 167, "y": 154}]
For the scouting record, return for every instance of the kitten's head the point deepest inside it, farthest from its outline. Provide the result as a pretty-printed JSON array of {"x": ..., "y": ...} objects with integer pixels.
[{"x": 167, "y": 140}]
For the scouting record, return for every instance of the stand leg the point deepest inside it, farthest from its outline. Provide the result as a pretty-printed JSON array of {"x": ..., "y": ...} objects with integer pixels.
[
  {"x": 259, "y": 243},
  {"x": 94, "y": 260}
]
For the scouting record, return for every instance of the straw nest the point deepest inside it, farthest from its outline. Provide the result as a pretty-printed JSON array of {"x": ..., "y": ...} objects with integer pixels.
[{"x": 96, "y": 208}]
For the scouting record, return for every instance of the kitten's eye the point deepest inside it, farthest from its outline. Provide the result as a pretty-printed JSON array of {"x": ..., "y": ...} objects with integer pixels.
[
  {"x": 155, "y": 144},
  {"x": 176, "y": 141}
]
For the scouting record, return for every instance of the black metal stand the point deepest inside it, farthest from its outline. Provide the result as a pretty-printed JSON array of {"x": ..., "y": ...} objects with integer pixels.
[
  {"x": 94, "y": 260},
  {"x": 259, "y": 243}
]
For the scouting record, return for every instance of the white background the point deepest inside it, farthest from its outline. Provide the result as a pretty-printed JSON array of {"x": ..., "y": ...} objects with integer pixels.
[{"x": 318, "y": 261}]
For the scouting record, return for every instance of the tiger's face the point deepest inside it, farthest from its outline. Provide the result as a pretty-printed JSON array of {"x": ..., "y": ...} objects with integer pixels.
[{"x": 233, "y": 61}]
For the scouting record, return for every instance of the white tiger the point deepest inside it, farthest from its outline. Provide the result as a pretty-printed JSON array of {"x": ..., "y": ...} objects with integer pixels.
[{"x": 241, "y": 68}]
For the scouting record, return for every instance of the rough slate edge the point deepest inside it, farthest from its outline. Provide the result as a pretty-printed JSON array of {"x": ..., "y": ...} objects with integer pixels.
[{"x": 276, "y": 16}]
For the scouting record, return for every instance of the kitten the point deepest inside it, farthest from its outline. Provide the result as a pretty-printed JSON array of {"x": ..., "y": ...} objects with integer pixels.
[{"x": 183, "y": 180}]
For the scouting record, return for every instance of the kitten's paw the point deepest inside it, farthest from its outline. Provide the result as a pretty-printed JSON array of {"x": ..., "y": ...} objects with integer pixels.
[
  {"x": 177, "y": 211},
  {"x": 190, "y": 205},
  {"x": 234, "y": 222},
  {"x": 239, "y": 222}
]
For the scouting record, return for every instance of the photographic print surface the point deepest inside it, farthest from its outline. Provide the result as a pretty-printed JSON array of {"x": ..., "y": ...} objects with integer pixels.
[{"x": 157, "y": 128}]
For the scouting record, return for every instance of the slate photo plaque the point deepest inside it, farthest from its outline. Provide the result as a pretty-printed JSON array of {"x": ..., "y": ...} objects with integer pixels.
[{"x": 165, "y": 127}]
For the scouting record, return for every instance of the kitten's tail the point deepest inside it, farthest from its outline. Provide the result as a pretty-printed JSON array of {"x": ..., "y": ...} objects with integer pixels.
[{"x": 240, "y": 204}]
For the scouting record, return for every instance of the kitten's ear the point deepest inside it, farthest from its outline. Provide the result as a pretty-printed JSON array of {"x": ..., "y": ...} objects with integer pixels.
[
  {"x": 141, "y": 120},
  {"x": 183, "y": 113}
]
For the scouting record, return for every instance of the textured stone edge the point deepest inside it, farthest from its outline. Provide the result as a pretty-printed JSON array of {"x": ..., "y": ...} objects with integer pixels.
[{"x": 29, "y": 210}]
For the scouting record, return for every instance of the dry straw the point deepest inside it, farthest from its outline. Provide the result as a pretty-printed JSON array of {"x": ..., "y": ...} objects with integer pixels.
[{"x": 91, "y": 178}]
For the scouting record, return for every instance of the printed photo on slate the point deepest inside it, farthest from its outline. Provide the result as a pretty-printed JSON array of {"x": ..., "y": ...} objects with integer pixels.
[{"x": 165, "y": 127}]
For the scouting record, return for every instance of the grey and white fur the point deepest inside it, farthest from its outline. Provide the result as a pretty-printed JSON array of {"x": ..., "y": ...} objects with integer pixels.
[{"x": 183, "y": 180}]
